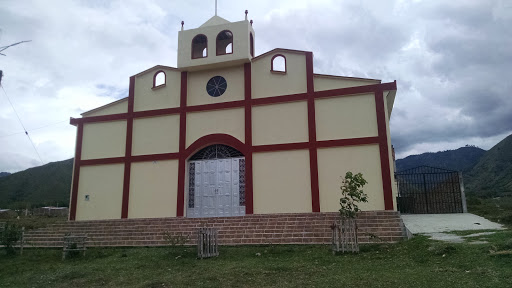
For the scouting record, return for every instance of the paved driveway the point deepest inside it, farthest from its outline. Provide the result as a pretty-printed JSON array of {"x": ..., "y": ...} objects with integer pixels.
[{"x": 432, "y": 223}]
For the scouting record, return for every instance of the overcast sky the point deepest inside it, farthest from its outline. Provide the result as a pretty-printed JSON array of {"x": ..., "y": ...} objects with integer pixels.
[{"x": 451, "y": 59}]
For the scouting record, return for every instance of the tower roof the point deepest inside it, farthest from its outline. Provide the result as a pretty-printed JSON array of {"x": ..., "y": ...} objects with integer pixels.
[{"x": 215, "y": 20}]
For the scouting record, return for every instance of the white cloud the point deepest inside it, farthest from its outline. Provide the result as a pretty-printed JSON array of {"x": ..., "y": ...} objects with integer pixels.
[{"x": 450, "y": 60}]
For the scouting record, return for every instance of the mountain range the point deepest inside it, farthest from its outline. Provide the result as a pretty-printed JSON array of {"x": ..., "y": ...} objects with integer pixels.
[{"x": 486, "y": 174}]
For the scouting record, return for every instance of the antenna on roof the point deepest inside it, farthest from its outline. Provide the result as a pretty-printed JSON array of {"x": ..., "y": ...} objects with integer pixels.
[{"x": 215, "y": 7}]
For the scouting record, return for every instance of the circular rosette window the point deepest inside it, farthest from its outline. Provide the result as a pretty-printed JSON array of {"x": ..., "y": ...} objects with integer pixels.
[{"x": 216, "y": 86}]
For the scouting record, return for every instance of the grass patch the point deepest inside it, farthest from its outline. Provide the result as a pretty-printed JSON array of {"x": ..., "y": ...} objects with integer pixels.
[
  {"x": 497, "y": 209},
  {"x": 419, "y": 262},
  {"x": 34, "y": 222}
]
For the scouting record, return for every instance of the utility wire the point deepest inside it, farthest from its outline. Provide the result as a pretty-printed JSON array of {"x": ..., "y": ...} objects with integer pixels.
[
  {"x": 51, "y": 124},
  {"x": 17, "y": 116}
]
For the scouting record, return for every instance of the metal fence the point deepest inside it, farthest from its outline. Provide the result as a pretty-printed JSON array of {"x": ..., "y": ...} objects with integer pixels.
[{"x": 430, "y": 190}]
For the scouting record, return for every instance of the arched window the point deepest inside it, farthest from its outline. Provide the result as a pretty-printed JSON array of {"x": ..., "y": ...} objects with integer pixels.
[
  {"x": 252, "y": 44},
  {"x": 224, "y": 43},
  {"x": 159, "y": 79},
  {"x": 199, "y": 46},
  {"x": 278, "y": 64}
]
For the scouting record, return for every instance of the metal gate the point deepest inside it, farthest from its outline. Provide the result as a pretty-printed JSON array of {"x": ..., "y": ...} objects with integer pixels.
[{"x": 431, "y": 190}]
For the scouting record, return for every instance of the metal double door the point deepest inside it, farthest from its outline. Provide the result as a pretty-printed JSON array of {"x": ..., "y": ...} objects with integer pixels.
[{"x": 216, "y": 191}]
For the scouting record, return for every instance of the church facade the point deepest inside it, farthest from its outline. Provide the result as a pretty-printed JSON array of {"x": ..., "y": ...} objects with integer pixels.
[{"x": 229, "y": 133}]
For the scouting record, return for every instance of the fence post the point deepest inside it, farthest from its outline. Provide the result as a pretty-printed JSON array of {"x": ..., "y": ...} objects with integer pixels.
[{"x": 462, "y": 194}]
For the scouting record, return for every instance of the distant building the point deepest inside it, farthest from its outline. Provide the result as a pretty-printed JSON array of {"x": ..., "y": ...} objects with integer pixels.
[{"x": 229, "y": 133}]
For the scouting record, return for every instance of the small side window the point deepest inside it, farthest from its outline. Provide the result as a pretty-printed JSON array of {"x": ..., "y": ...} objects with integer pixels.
[
  {"x": 159, "y": 79},
  {"x": 278, "y": 64}
]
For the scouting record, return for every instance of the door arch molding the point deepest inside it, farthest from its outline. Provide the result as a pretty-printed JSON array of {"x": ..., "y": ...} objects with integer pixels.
[{"x": 212, "y": 139}]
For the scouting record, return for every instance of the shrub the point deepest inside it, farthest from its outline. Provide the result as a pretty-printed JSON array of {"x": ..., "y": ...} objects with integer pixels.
[{"x": 9, "y": 236}]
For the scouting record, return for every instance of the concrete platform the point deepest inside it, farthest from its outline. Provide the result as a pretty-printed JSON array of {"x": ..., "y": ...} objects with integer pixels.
[{"x": 433, "y": 223}]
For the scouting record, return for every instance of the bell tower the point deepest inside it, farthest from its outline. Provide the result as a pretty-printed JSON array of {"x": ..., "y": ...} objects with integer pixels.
[{"x": 217, "y": 43}]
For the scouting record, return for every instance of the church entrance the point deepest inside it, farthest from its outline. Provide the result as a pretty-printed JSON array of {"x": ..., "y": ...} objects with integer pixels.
[{"x": 216, "y": 182}]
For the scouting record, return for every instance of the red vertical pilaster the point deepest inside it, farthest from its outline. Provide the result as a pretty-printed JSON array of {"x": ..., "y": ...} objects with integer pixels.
[
  {"x": 128, "y": 150},
  {"x": 180, "y": 202},
  {"x": 313, "y": 161}
]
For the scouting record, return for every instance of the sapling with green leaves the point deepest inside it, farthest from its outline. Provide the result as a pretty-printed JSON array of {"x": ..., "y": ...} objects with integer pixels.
[{"x": 351, "y": 194}]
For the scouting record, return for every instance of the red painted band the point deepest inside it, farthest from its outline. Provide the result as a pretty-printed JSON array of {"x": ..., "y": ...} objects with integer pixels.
[
  {"x": 281, "y": 147},
  {"x": 356, "y": 90},
  {"x": 348, "y": 142},
  {"x": 245, "y": 150},
  {"x": 102, "y": 161},
  {"x": 279, "y": 99},
  {"x": 157, "y": 112},
  {"x": 313, "y": 161},
  {"x": 240, "y": 103},
  {"x": 384, "y": 152},
  {"x": 155, "y": 157},
  {"x": 76, "y": 172},
  {"x": 180, "y": 200},
  {"x": 92, "y": 119},
  {"x": 128, "y": 150},
  {"x": 216, "y": 106},
  {"x": 249, "y": 208}
]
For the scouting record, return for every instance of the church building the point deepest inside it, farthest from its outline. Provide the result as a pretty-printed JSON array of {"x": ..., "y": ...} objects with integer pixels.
[{"x": 229, "y": 133}]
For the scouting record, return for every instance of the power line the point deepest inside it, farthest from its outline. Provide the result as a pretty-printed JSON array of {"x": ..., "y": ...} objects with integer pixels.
[
  {"x": 51, "y": 124},
  {"x": 17, "y": 116},
  {"x": 14, "y": 44}
]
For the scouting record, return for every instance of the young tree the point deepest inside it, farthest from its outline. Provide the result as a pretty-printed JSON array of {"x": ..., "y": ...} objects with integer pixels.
[
  {"x": 351, "y": 194},
  {"x": 344, "y": 236}
]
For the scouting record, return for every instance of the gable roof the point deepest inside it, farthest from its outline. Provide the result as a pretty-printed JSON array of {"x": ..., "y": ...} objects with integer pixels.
[{"x": 215, "y": 20}]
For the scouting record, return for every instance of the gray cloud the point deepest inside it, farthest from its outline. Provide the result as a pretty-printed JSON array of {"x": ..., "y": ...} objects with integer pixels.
[{"x": 450, "y": 59}]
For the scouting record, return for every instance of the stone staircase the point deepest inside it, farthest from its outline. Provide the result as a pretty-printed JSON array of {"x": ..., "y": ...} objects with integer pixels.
[{"x": 296, "y": 228}]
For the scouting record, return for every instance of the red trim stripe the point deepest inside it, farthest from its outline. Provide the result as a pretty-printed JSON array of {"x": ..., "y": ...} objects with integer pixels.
[
  {"x": 76, "y": 172},
  {"x": 249, "y": 203},
  {"x": 103, "y": 161},
  {"x": 348, "y": 142},
  {"x": 180, "y": 201},
  {"x": 281, "y": 147},
  {"x": 240, "y": 103},
  {"x": 128, "y": 150},
  {"x": 313, "y": 161},
  {"x": 383, "y": 148}
]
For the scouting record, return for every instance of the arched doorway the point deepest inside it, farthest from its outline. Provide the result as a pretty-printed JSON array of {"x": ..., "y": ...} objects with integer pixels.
[{"x": 216, "y": 182}]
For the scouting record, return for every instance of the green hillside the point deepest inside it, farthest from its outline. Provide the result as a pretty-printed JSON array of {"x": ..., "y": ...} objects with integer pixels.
[
  {"x": 492, "y": 175},
  {"x": 44, "y": 185},
  {"x": 462, "y": 159}
]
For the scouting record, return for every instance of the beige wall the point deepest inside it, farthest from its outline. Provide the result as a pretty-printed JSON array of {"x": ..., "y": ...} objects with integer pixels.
[
  {"x": 323, "y": 82},
  {"x": 104, "y": 185},
  {"x": 241, "y": 51},
  {"x": 154, "y": 135},
  {"x": 153, "y": 189},
  {"x": 227, "y": 121},
  {"x": 282, "y": 182},
  {"x": 104, "y": 140},
  {"x": 268, "y": 84},
  {"x": 334, "y": 162},
  {"x": 280, "y": 123},
  {"x": 146, "y": 98},
  {"x": 120, "y": 106},
  {"x": 346, "y": 117},
  {"x": 390, "y": 149},
  {"x": 196, "y": 89}
]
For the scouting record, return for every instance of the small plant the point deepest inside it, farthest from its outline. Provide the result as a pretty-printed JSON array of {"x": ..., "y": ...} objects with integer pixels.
[
  {"x": 351, "y": 194},
  {"x": 10, "y": 234},
  {"x": 344, "y": 237}
]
